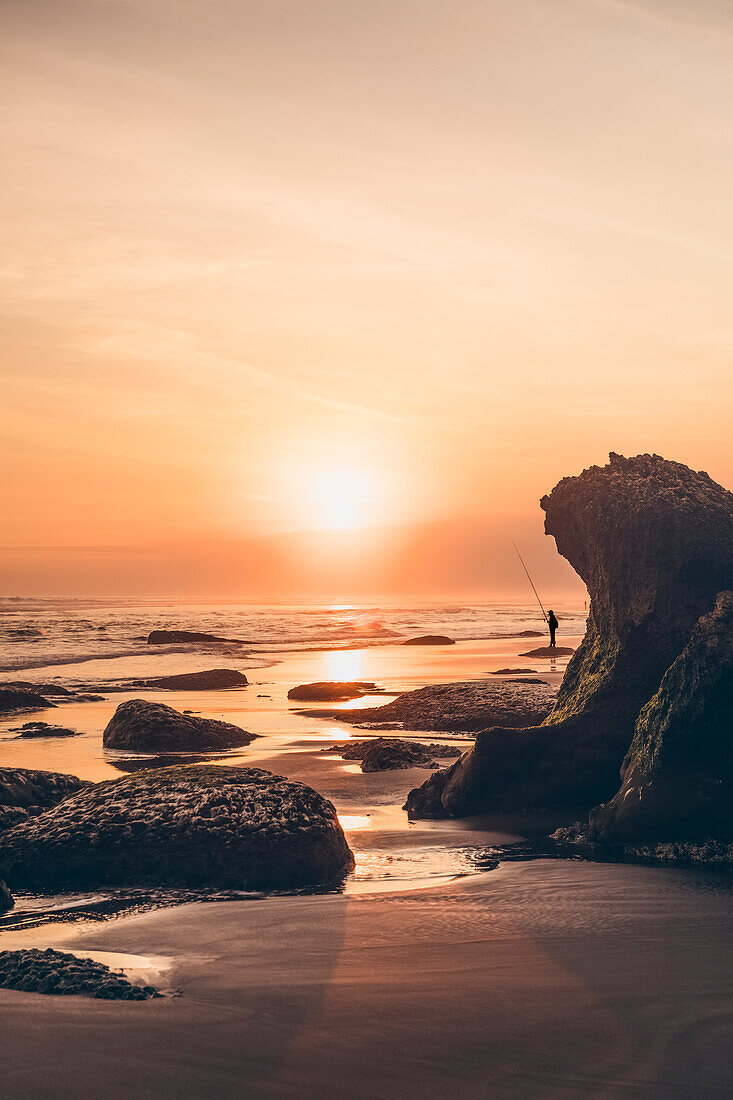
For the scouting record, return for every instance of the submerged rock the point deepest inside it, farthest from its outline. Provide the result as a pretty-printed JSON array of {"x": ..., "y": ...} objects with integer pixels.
[
  {"x": 549, "y": 651},
  {"x": 677, "y": 779},
  {"x": 154, "y": 727},
  {"x": 214, "y": 679},
  {"x": 379, "y": 754},
  {"x": 43, "y": 729},
  {"x": 58, "y": 973},
  {"x": 196, "y": 825},
  {"x": 653, "y": 541},
  {"x": 16, "y": 700},
  {"x": 331, "y": 691},
  {"x": 463, "y": 707},
  {"x": 181, "y": 637},
  {"x": 430, "y": 639}
]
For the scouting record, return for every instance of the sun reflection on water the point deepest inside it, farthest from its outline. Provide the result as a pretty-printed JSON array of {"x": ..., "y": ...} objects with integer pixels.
[{"x": 354, "y": 821}]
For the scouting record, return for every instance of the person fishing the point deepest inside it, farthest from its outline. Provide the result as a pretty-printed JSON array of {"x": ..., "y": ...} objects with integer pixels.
[
  {"x": 553, "y": 625},
  {"x": 549, "y": 619}
]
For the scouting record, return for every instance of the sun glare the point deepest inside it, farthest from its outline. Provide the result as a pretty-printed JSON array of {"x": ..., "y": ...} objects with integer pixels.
[{"x": 342, "y": 497}]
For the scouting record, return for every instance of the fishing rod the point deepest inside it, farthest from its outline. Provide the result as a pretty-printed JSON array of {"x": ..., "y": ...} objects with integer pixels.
[{"x": 526, "y": 570}]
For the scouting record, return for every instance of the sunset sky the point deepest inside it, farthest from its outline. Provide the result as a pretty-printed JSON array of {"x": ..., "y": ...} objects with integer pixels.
[{"x": 279, "y": 266}]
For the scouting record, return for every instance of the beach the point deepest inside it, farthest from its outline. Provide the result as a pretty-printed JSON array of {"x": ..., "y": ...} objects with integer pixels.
[{"x": 439, "y": 969}]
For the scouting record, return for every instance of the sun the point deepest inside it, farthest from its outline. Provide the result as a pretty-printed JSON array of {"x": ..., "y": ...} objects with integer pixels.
[{"x": 341, "y": 497}]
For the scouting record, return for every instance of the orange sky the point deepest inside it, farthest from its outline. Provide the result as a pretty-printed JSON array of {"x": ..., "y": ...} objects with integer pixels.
[{"x": 282, "y": 265}]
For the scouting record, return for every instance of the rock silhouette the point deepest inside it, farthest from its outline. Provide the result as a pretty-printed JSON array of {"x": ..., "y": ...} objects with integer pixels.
[
  {"x": 196, "y": 825},
  {"x": 430, "y": 639},
  {"x": 653, "y": 541},
  {"x": 379, "y": 754},
  {"x": 154, "y": 727}
]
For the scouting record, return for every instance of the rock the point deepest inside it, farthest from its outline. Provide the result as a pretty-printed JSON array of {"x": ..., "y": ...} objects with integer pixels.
[
  {"x": 328, "y": 691},
  {"x": 525, "y": 680},
  {"x": 509, "y": 671},
  {"x": 653, "y": 542},
  {"x": 56, "y": 972},
  {"x": 181, "y": 637},
  {"x": 187, "y": 826},
  {"x": 390, "y": 753},
  {"x": 26, "y": 788},
  {"x": 530, "y": 634},
  {"x": 43, "y": 729},
  {"x": 677, "y": 779},
  {"x": 154, "y": 727},
  {"x": 549, "y": 651},
  {"x": 430, "y": 639},
  {"x": 52, "y": 690},
  {"x": 6, "y": 898},
  {"x": 213, "y": 680},
  {"x": 15, "y": 700},
  {"x": 463, "y": 707}
]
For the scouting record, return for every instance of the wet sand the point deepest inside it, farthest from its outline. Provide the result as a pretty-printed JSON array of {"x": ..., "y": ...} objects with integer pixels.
[
  {"x": 427, "y": 977},
  {"x": 540, "y": 979}
]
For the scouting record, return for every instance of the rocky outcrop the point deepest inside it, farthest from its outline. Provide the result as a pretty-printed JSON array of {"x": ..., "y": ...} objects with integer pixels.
[
  {"x": 653, "y": 541},
  {"x": 25, "y": 792},
  {"x": 16, "y": 700},
  {"x": 154, "y": 727},
  {"x": 195, "y": 826},
  {"x": 331, "y": 691},
  {"x": 183, "y": 637},
  {"x": 43, "y": 729},
  {"x": 56, "y": 972},
  {"x": 215, "y": 679},
  {"x": 430, "y": 639},
  {"x": 378, "y": 754},
  {"x": 455, "y": 708},
  {"x": 677, "y": 779}
]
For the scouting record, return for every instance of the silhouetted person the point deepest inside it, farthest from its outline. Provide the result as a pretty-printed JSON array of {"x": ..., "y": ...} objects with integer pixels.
[{"x": 553, "y": 624}]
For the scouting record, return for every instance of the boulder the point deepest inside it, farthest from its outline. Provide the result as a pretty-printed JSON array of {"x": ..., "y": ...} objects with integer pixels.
[
  {"x": 154, "y": 727},
  {"x": 182, "y": 637},
  {"x": 379, "y": 754},
  {"x": 214, "y": 679},
  {"x": 653, "y": 542},
  {"x": 187, "y": 826},
  {"x": 34, "y": 970},
  {"x": 677, "y": 779},
  {"x": 430, "y": 639},
  {"x": 464, "y": 707},
  {"x": 329, "y": 691},
  {"x": 15, "y": 700}
]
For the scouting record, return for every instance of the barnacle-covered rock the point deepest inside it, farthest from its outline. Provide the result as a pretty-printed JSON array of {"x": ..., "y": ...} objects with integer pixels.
[{"x": 196, "y": 825}]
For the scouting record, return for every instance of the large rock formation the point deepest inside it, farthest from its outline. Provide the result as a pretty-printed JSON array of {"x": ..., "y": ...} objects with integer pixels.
[
  {"x": 196, "y": 826},
  {"x": 677, "y": 779},
  {"x": 154, "y": 727},
  {"x": 24, "y": 792},
  {"x": 653, "y": 542}
]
